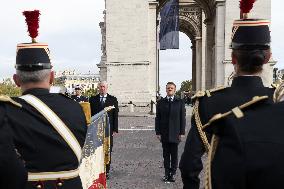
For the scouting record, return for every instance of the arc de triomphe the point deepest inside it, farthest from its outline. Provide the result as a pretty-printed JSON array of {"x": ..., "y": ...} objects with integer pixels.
[{"x": 130, "y": 46}]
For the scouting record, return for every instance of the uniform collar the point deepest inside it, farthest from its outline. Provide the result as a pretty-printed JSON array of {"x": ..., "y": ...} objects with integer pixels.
[
  {"x": 247, "y": 81},
  {"x": 37, "y": 91}
]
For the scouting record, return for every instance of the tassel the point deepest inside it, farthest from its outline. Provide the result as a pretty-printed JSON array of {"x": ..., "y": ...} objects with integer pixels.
[{"x": 246, "y": 5}]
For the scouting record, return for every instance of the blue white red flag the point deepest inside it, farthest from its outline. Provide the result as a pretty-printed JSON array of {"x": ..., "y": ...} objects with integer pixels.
[
  {"x": 95, "y": 153},
  {"x": 169, "y": 25}
]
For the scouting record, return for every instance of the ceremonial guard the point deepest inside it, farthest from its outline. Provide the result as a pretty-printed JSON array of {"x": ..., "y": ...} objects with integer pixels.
[
  {"x": 250, "y": 50},
  {"x": 247, "y": 147},
  {"x": 48, "y": 129},
  {"x": 78, "y": 97}
]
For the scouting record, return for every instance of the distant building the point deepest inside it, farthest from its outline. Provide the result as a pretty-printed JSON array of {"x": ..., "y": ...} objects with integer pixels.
[
  {"x": 71, "y": 79},
  {"x": 280, "y": 74}
]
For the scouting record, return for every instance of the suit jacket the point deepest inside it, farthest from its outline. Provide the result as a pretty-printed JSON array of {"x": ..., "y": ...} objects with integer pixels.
[
  {"x": 40, "y": 145},
  {"x": 243, "y": 89},
  {"x": 170, "y": 119},
  {"x": 113, "y": 114}
]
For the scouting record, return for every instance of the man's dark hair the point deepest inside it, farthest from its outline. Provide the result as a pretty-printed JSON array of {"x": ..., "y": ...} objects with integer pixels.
[
  {"x": 172, "y": 83},
  {"x": 251, "y": 61}
]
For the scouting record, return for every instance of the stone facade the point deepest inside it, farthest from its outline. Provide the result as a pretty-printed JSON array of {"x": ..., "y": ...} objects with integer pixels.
[
  {"x": 130, "y": 49},
  {"x": 71, "y": 79}
]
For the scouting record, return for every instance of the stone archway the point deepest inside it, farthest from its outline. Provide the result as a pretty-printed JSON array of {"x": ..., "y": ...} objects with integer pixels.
[
  {"x": 190, "y": 20},
  {"x": 130, "y": 58},
  {"x": 196, "y": 21}
]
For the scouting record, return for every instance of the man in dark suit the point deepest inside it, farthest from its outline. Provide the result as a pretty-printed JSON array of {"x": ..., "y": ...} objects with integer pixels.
[
  {"x": 98, "y": 103},
  {"x": 170, "y": 127},
  {"x": 78, "y": 97}
]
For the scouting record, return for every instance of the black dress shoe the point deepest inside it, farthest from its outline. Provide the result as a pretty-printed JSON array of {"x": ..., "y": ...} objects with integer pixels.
[
  {"x": 172, "y": 178},
  {"x": 166, "y": 179}
]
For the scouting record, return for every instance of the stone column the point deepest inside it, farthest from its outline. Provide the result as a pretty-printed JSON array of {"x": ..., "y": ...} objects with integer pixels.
[
  {"x": 203, "y": 51},
  {"x": 194, "y": 72},
  {"x": 209, "y": 73},
  {"x": 198, "y": 59},
  {"x": 153, "y": 48},
  {"x": 219, "y": 43}
]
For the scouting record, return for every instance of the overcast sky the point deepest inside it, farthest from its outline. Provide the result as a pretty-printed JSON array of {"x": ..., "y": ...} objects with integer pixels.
[{"x": 71, "y": 28}]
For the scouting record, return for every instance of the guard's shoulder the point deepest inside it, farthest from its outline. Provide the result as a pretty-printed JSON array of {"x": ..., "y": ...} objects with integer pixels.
[
  {"x": 237, "y": 111},
  {"x": 208, "y": 93},
  {"x": 7, "y": 99}
]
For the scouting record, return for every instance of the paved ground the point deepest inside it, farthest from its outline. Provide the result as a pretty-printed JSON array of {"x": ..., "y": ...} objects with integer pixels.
[{"x": 137, "y": 156}]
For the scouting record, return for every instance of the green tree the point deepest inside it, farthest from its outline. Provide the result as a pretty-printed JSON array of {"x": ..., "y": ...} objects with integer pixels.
[
  {"x": 7, "y": 87},
  {"x": 185, "y": 86},
  {"x": 91, "y": 92}
]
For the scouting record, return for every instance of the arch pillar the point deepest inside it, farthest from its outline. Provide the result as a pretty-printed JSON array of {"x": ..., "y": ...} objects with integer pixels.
[
  {"x": 194, "y": 71},
  {"x": 198, "y": 59},
  {"x": 209, "y": 66}
]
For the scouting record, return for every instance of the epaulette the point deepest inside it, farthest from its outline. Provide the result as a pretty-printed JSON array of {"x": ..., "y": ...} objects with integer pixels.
[
  {"x": 199, "y": 94},
  {"x": 237, "y": 111},
  {"x": 5, "y": 98},
  {"x": 274, "y": 85},
  {"x": 208, "y": 92}
]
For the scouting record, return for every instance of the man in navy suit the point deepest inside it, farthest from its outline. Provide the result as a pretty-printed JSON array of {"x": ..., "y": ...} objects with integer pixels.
[
  {"x": 170, "y": 127},
  {"x": 98, "y": 103}
]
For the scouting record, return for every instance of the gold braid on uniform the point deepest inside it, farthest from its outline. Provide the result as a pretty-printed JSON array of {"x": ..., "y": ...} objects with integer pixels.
[
  {"x": 197, "y": 117},
  {"x": 215, "y": 139},
  {"x": 278, "y": 93},
  {"x": 211, "y": 153},
  {"x": 199, "y": 126},
  {"x": 5, "y": 98}
]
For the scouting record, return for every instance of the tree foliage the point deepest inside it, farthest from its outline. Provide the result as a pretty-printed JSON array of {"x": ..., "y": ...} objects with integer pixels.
[
  {"x": 91, "y": 92},
  {"x": 185, "y": 86},
  {"x": 7, "y": 87}
]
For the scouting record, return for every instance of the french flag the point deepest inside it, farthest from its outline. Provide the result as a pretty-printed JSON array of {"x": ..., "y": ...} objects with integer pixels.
[{"x": 95, "y": 153}]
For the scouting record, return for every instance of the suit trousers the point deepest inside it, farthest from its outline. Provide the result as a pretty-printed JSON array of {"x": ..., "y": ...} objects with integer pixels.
[
  {"x": 110, "y": 150},
  {"x": 170, "y": 155}
]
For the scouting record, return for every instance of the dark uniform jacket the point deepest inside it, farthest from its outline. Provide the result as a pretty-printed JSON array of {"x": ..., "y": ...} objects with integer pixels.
[
  {"x": 79, "y": 98},
  {"x": 96, "y": 107},
  {"x": 12, "y": 172},
  {"x": 250, "y": 150},
  {"x": 170, "y": 120},
  {"x": 243, "y": 89},
  {"x": 39, "y": 144}
]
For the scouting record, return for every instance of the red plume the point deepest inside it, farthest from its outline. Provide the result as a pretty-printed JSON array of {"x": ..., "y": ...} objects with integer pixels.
[
  {"x": 246, "y": 5},
  {"x": 32, "y": 20}
]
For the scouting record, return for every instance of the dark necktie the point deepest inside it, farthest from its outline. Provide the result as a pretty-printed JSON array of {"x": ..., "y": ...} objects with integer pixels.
[
  {"x": 102, "y": 101},
  {"x": 170, "y": 104}
]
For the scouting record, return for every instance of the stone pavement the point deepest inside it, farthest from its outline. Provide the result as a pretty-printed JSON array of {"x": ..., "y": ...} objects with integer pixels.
[{"x": 137, "y": 156}]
